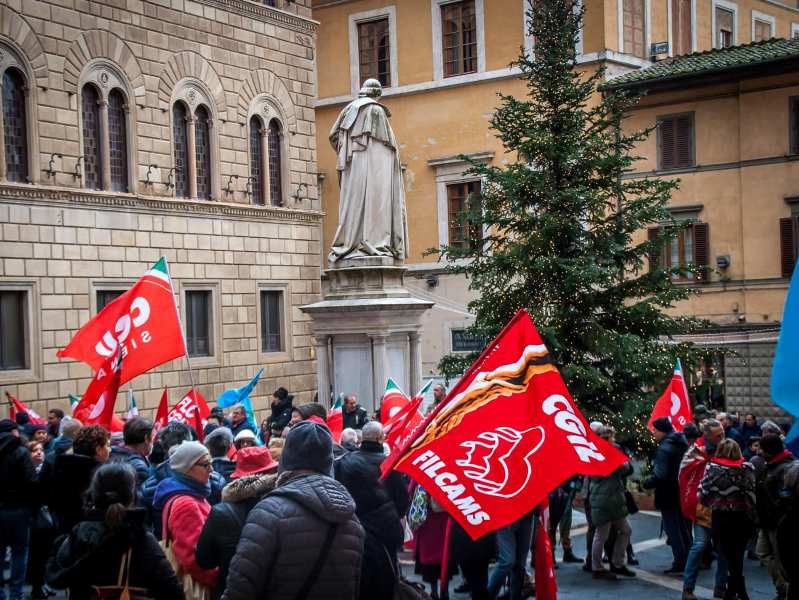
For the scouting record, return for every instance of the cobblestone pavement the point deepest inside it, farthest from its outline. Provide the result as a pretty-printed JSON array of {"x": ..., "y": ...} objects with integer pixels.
[{"x": 655, "y": 557}]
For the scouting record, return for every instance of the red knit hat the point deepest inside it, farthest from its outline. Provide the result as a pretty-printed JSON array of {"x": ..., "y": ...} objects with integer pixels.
[{"x": 252, "y": 460}]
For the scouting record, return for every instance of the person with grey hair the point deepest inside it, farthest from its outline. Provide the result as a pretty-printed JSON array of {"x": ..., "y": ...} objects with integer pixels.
[
  {"x": 379, "y": 506},
  {"x": 239, "y": 421},
  {"x": 349, "y": 439},
  {"x": 218, "y": 443},
  {"x": 68, "y": 428}
]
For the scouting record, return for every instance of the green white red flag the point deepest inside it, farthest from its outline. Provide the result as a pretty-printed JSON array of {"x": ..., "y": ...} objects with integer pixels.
[
  {"x": 96, "y": 406},
  {"x": 142, "y": 323},
  {"x": 335, "y": 418},
  {"x": 674, "y": 403},
  {"x": 19, "y": 407},
  {"x": 506, "y": 435}
]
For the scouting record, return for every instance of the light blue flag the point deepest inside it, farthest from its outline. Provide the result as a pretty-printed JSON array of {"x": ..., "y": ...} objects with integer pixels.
[
  {"x": 241, "y": 396},
  {"x": 784, "y": 372}
]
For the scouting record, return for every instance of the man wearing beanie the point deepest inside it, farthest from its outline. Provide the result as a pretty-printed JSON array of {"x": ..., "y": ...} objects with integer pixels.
[
  {"x": 314, "y": 512},
  {"x": 770, "y": 508},
  {"x": 664, "y": 480}
]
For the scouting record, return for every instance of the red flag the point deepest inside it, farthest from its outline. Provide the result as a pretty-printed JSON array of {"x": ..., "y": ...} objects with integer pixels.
[
  {"x": 192, "y": 410},
  {"x": 161, "y": 414},
  {"x": 143, "y": 322},
  {"x": 674, "y": 403},
  {"x": 399, "y": 431},
  {"x": 546, "y": 585},
  {"x": 394, "y": 400},
  {"x": 335, "y": 419},
  {"x": 17, "y": 407},
  {"x": 96, "y": 406},
  {"x": 505, "y": 436}
]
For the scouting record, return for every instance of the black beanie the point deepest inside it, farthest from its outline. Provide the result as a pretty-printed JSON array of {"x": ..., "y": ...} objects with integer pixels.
[
  {"x": 662, "y": 424},
  {"x": 308, "y": 446},
  {"x": 7, "y": 426},
  {"x": 22, "y": 418},
  {"x": 771, "y": 444}
]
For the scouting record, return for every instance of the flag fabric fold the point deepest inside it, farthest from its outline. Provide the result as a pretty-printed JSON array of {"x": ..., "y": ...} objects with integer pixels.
[
  {"x": 335, "y": 418},
  {"x": 784, "y": 374},
  {"x": 505, "y": 436},
  {"x": 192, "y": 410},
  {"x": 394, "y": 400},
  {"x": 142, "y": 323},
  {"x": 19, "y": 407},
  {"x": 674, "y": 403},
  {"x": 162, "y": 414},
  {"x": 96, "y": 406},
  {"x": 241, "y": 396},
  {"x": 546, "y": 584}
]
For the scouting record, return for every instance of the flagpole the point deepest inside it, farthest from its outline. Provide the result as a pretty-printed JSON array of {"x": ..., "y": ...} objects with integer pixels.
[{"x": 182, "y": 329}]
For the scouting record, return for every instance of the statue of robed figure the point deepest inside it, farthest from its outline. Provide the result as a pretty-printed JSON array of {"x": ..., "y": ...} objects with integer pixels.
[{"x": 372, "y": 219}]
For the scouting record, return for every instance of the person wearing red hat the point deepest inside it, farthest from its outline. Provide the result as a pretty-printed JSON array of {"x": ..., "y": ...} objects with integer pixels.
[{"x": 253, "y": 478}]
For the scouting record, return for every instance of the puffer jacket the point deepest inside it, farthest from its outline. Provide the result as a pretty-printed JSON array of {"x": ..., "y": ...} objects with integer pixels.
[
  {"x": 139, "y": 463},
  {"x": 92, "y": 555},
  {"x": 16, "y": 472},
  {"x": 606, "y": 495},
  {"x": 222, "y": 530},
  {"x": 666, "y": 470},
  {"x": 302, "y": 509}
]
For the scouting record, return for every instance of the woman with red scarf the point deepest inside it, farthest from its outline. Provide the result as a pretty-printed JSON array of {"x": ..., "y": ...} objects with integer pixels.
[{"x": 728, "y": 489}]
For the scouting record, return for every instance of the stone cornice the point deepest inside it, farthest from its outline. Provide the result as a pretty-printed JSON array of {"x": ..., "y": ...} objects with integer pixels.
[
  {"x": 265, "y": 13},
  {"x": 78, "y": 198}
]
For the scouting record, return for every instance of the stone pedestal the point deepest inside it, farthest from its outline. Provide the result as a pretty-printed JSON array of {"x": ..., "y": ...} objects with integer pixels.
[{"x": 366, "y": 329}]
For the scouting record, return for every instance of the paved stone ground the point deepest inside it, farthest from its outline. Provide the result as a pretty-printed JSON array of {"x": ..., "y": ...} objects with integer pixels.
[{"x": 654, "y": 555}]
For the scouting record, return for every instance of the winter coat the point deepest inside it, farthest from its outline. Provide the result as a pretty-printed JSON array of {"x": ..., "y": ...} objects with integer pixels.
[
  {"x": 280, "y": 416},
  {"x": 666, "y": 470},
  {"x": 92, "y": 555},
  {"x": 162, "y": 472},
  {"x": 770, "y": 507},
  {"x": 222, "y": 530},
  {"x": 59, "y": 446},
  {"x": 746, "y": 433},
  {"x": 787, "y": 534},
  {"x": 607, "y": 496},
  {"x": 356, "y": 419},
  {"x": 224, "y": 466},
  {"x": 244, "y": 425},
  {"x": 302, "y": 509},
  {"x": 729, "y": 485},
  {"x": 359, "y": 472},
  {"x": 184, "y": 513},
  {"x": 692, "y": 470},
  {"x": 65, "y": 486},
  {"x": 139, "y": 463},
  {"x": 19, "y": 487}
]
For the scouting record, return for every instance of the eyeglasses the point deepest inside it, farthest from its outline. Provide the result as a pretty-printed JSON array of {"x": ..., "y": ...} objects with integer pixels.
[{"x": 205, "y": 465}]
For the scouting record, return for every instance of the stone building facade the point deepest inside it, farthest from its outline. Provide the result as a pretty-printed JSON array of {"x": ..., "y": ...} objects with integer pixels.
[{"x": 134, "y": 129}]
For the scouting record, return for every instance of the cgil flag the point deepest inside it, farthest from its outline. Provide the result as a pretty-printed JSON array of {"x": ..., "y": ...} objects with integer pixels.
[
  {"x": 96, "y": 406},
  {"x": 505, "y": 436},
  {"x": 192, "y": 410},
  {"x": 674, "y": 403},
  {"x": 335, "y": 418},
  {"x": 142, "y": 323},
  {"x": 19, "y": 407}
]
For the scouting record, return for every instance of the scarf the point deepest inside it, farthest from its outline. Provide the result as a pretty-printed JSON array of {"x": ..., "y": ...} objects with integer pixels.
[
  {"x": 200, "y": 489},
  {"x": 728, "y": 462},
  {"x": 781, "y": 457}
]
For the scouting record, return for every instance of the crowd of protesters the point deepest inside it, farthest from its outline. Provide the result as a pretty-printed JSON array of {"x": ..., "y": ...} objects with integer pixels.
[{"x": 282, "y": 511}]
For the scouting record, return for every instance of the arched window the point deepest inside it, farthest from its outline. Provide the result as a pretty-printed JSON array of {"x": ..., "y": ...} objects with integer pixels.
[
  {"x": 118, "y": 140},
  {"x": 179, "y": 129},
  {"x": 257, "y": 160},
  {"x": 92, "y": 159},
  {"x": 275, "y": 163},
  {"x": 15, "y": 134},
  {"x": 202, "y": 145}
]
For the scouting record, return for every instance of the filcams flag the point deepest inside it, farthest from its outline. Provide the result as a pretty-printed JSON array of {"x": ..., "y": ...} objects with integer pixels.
[
  {"x": 505, "y": 436},
  {"x": 96, "y": 406},
  {"x": 19, "y": 407},
  {"x": 674, "y": 403},
  {"x": 143, "y": 322},
  {"x": 335, "y": 419}
]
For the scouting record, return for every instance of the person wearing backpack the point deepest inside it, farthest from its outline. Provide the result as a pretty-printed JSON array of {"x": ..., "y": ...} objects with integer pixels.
[{"x": 317, "y": 514}]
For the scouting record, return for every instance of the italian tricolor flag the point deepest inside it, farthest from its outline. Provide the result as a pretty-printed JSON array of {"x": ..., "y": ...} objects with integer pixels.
[{"x": 335, "y": 418}]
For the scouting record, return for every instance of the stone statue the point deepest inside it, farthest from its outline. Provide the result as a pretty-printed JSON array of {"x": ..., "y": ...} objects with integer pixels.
[{"x": 371, "y": 214}]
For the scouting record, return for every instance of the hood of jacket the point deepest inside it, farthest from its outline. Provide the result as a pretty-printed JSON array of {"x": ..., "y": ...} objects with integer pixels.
[
  {"x": 249, "y": 487},
  {"x": 320, "y": 494},
  {"x": 172, "y": 487},
  {"x": 74, "y": 465},
  {"x": 8, "y": 443}
]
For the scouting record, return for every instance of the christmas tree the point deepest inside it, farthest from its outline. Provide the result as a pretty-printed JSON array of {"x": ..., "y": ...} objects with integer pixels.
[{"x": 558, "y": 230}]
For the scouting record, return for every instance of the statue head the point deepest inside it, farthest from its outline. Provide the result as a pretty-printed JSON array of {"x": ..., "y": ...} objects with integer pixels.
[{"x": 371, "y": 88}]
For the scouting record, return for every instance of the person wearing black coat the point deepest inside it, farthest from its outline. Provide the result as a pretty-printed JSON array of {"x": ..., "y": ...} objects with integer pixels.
[
  {"x": 378, "y": 511},
  {"x": 18, "y": 493},
  {"x": 664, "y": 480},
  {"x": 788, "y": 531},
  {"x": 280, "y": 412},
  {"x": 250, "y": 482},
  {"x": 93, "y": 552}
]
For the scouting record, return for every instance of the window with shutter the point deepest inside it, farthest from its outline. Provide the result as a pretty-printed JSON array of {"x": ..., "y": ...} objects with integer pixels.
[
  {"x": 793, "y": 124},
  {"x": 761, "y": 30},
  {"x": 681, "y": 27},
  {"x": 676, "y": 141},
  {"x": 374, "y": 51},
  {"x": 460, "y": 196},
  {"x": 118, "y": 137},
  {"x": 689, "y": 247},
  {"x": 788, "y": 245},
  {"x": 13, "y": 334},
  {"x": 459, "y": 38},
  {"x": 179, "y": 124},
  {"x": 256, "y": 160},
  {"x": 725, "y": 23},
  {"x": 271, "y": 321},
  {"x": 701, "y": 257},
  {"x": 202, "y": 141},
  {"x": 198, "y": 322},
  {"x": 15, "y": 126},
  {"x": 92, "y": 160},
  {"x": 275, "y": 163},
  {"x": 634, "y": 28}
]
